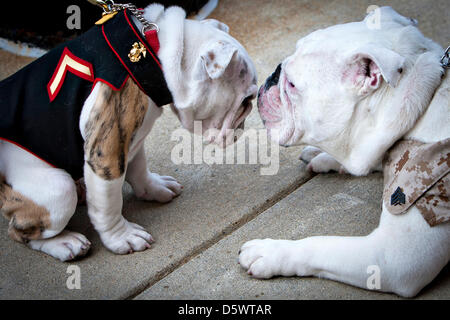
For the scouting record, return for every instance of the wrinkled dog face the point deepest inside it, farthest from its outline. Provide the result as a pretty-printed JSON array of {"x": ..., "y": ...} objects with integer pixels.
[
  {"x": 334, "y": 90},
  {"x": 223, "y": 78},
  {"x": 312, "y": 94}
]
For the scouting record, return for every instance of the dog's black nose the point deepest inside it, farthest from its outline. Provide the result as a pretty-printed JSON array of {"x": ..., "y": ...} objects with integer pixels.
[{"x": 273, "y": 79}]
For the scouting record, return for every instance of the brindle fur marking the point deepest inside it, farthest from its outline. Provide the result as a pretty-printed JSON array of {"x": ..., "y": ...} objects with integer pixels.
[
  {"x": 27, "y": 220},
  {"x": 113, "y": 122}
]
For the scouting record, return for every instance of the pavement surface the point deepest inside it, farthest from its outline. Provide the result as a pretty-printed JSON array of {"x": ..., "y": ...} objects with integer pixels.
[{"x": 198, "y": 235}]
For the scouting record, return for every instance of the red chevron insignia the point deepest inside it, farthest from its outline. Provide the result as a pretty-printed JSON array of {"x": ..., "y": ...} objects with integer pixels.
[{"x": 68, "y": 62}]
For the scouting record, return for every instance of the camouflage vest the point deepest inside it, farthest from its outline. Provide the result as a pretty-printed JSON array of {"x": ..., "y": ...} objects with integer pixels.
[{"x": 417, "y": 173}]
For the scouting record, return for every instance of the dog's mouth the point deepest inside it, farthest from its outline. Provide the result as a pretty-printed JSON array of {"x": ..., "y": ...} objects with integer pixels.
[
  {"x": 275, "y": 109},
  {"x": 269, "y": 105},
  {"x": 242, "y": 113},
  {"x": 229, "y": 134}
]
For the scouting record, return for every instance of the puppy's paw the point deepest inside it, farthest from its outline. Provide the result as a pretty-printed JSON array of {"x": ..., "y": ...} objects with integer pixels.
[
  {"x": 127, "y": 238},
  {"x": 65, "y": 246},
  {"x": 267, "y": 258},
  {"x": 324, "y": 163},
  {"x": 158, "y": 188}
]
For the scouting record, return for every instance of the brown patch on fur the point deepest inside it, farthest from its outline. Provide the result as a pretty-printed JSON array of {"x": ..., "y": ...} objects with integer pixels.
[
  {"x": 27, "y": 220},
  {"x": 111, "y": 127}
]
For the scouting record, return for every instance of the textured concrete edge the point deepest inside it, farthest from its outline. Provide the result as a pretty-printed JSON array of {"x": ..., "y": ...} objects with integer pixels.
[{"x": 282, "y": 194}]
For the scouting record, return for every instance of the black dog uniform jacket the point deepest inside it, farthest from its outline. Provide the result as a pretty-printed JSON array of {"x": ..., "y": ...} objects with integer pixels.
[{"x": 40, "y": 105}]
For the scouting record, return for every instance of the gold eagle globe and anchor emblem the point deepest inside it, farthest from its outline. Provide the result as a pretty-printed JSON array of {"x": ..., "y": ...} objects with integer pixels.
[{"x": 137, "y": 51}]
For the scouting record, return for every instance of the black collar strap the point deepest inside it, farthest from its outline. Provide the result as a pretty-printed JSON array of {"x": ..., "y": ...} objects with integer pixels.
[{"x": 121, "y": 35}]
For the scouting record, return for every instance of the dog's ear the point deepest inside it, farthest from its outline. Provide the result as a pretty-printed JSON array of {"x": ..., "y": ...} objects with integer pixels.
[
  {"x": 214, "y": 60},
  {"x": 216, "y": 24},
  {"x": 368, "y": 64}
]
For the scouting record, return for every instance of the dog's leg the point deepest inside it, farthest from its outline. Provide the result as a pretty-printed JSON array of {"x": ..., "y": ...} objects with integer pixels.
[
  {"x": 109, "y": 131},
  {"x": 150, "y": 186},
  {"x": 104, "y": 199},
  {"x": 39, "y": 201},
  {"x": 406, "y": 251}
]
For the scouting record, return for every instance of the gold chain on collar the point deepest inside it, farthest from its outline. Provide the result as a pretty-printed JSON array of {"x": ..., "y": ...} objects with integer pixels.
[{"x": 110, "y": 8}]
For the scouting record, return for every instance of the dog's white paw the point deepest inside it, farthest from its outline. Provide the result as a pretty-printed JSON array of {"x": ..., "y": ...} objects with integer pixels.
[
  {"x": 267, "y": 258},
  {"x": 309, "y": 153},
  {"x": 65, "y": 246},
  {"x": 323, "y": 163},
  {"x": 127, "y": 238},
  {"x": 158, "y": 188}
]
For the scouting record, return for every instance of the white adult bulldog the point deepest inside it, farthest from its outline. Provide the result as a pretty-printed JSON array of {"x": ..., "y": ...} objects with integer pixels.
[
  {"x": 211, "y": 78},
  {"x": 352, "y": 92}
]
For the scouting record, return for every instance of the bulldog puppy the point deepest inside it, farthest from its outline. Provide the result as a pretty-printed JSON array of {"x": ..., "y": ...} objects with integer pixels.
[
  {"x": 211, "y": 79},
  {"x": 353, "y": 92}
]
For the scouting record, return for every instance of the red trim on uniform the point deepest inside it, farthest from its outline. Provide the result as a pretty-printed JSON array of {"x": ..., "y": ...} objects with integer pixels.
[
  {"x": 121, "y": 61},
  {"x": 109, "y": 84},
  {"x": 152, "y": 39},
  {"x": 67, "y": 52},
  {"x": 143, "y": 42},
  {"x": 30, "y": 152}
]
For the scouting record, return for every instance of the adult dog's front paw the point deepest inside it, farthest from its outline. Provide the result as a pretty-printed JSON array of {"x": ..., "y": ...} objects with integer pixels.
[
  {"x": 320, "y": 162},
  {"x": 126, "y": 237},
  {"x": 267, "y": 258},
  {"x": 158, "y": 188},
  {"x": 309, "y": 153}
]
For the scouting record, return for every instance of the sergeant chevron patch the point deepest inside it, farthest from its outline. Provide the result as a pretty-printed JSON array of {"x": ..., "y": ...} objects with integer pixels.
[{"x": 398, "y": 197}]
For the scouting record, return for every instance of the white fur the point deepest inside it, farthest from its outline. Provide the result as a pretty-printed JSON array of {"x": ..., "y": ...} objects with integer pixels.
[{"x": 355, "y": 124}]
